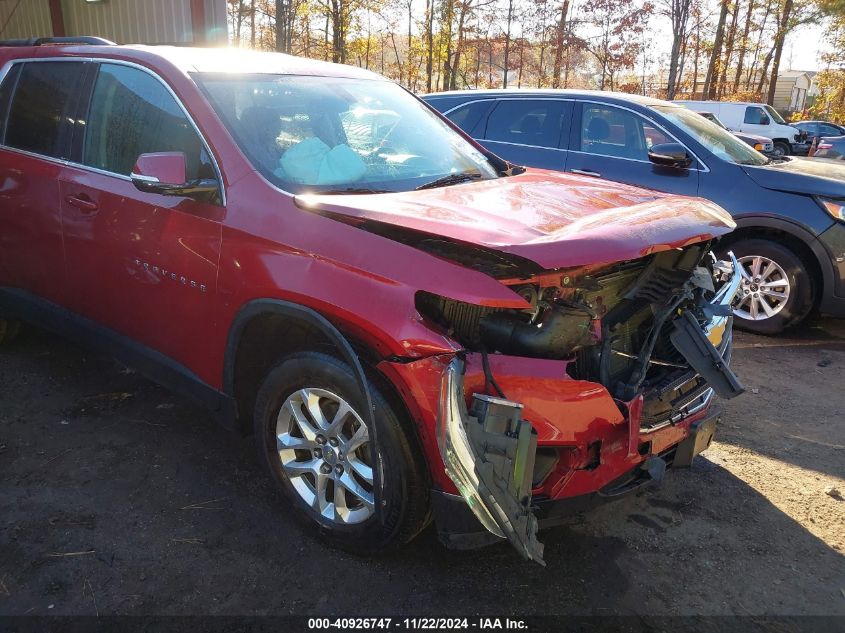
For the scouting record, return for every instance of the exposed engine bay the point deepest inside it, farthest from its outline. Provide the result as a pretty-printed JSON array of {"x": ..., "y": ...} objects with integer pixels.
[
  {"x": 656, "y": 326},
  {"x": 615, "y": 324}
]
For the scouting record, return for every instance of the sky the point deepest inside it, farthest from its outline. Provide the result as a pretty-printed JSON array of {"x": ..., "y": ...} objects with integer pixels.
[
  {"x": 803, "y": 47},
  {"x": 800, "y": 52}
]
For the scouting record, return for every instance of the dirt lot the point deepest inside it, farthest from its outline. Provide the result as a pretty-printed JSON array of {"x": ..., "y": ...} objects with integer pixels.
[{"x": 118, "y": 498}]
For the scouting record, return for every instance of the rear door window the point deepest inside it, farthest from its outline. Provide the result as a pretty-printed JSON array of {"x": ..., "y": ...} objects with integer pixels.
[
  {"x": 40, "y": 115},
  {"x": 535, "y": 122},
  {"x": 132, "y": 113}
]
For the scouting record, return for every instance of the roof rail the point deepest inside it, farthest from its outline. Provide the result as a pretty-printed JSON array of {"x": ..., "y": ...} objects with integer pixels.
[{"x": 55, "y": 41}]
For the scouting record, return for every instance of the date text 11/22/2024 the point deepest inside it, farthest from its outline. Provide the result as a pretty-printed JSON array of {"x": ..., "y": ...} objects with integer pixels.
[{"x": 417, "y": 624}]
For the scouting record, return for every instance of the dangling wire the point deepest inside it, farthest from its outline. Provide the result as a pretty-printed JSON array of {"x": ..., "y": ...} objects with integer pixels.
[{"x": 488, "y": 376}]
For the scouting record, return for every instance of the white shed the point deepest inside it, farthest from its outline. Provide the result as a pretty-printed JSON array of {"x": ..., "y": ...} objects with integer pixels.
[
  {"x": 792, "y": 89},
  {"x": 180, "y": 22}
]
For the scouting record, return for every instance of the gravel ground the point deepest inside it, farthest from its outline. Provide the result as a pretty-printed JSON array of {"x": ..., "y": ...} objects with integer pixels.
[{"x": 116, "y": 497}]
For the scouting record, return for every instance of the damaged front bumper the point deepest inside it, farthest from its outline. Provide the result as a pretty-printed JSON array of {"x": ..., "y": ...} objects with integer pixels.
[
  {"x": 490, "y": 457},
  {"x": 489, "y": 450}
]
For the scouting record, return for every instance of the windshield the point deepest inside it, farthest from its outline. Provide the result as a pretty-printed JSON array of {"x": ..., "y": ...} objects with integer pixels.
[
  {"x": 774, "y": 115},
  {"x": 718, "y": 140},
  {"x": 337, "y": 135}
]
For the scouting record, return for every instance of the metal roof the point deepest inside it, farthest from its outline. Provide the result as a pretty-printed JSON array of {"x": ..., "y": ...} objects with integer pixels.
[
  {"x": 547, "y": 92},
  {"x": 215, "y": 60}
]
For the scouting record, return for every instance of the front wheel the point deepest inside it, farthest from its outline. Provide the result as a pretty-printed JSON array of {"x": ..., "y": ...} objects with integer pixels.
[
  {"x": 315, "y": 439},
  {"x": 781, "y": 149},
  {"x": 776, "y": 290}
]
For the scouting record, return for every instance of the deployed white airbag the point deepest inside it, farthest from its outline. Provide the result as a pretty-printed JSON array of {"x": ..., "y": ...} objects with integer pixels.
[{"x": 312, "y": 162}]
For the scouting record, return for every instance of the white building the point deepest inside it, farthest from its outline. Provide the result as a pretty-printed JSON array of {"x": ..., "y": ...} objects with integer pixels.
[
  {"x": 180, "y": 22},
  {"x": 792, "y": 89}
]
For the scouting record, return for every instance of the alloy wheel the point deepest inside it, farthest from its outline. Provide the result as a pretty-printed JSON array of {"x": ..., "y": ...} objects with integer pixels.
[
  {"x": 764, "y": 290},
  {"x": 324, "y": 450}
]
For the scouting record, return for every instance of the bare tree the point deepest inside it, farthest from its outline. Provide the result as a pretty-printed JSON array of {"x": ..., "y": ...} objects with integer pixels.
[
  {"x": 713, "y": 67},
  {"x": 678, "y": 12},
  {"x": 729, "y": 49},
  {"x": 508, "y": 44},
  {"x": 560, "y": 37},
  {"x": 783, "y": 24},
  {"x": 743, "y": 49},
  {"x": 618, "y": 45}
]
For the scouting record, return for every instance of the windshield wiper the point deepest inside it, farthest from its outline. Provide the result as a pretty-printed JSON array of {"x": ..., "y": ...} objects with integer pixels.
[
  {"x": 450, "y": 179},
  {"x": 351, "y": 190}
]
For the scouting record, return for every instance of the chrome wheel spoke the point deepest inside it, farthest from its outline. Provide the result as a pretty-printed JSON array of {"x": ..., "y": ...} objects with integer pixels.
[
  {"x": 320, "y": 503},
  {"x": 341, "y": 510},
  {"x": 773, "y": 294},
  {"x": 294, "y": 408},
  {"x": 348, "y": 482},
  {"x": 766, "y": 307},
  {"x": 777, "y": 283},
  {"x": 771, "y": 267},
  {"x": 299, "y": 468},
  {"x": 364, "y": 471},
  {"x": 755, "y": 266},
  {"x": 286, "y": 441},
  {"x": 360, "y": 437},
  {"x": 343, "y": 413},
  {"x": 311, "y": 400}
]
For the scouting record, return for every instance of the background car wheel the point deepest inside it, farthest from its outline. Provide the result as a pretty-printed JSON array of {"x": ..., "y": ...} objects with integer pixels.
[
  {"x": 781, "y": 149},
  {"x": 776, "y": 290},
  {"x": 8, "y": 331},
  {"x": 313, "y": 436}
]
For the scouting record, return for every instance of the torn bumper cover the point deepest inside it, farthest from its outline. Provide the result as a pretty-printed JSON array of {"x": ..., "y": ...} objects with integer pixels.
[
  {"x": 489, "y": 451},
  {"x": 490, "y": 457}
]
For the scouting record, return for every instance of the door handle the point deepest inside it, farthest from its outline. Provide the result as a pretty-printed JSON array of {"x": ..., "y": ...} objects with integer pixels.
[
  {"x": 86, "y": 205},
  {"x": 586, "y": 172}
]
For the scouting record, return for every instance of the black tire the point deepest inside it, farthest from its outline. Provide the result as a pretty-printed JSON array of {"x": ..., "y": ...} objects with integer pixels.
[
  {"x": 782, "y": 149},
  {"x": 404, "y": 498},
  {"x": 8, "y": 331},
  {"x": 801, "y": 291}
]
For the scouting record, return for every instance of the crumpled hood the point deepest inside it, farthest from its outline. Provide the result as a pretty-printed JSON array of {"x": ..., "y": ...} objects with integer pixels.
[
  {"x": 810, "y": 176},
  {"x": 555, "y": 220}
]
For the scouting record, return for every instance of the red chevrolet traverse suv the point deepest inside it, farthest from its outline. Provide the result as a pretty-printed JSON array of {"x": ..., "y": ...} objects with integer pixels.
[{"x": 411, "y": 326}]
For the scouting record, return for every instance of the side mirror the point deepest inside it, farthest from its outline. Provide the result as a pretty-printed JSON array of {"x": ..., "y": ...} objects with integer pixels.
[
  {"x": 165, "y": 173},
  {"x": 670, "y": 155}
]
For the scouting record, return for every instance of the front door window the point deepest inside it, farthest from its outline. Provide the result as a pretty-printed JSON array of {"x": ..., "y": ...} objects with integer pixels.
[
  {"x": 132, "y": 113},
  {"x": 610, "y": 131}
]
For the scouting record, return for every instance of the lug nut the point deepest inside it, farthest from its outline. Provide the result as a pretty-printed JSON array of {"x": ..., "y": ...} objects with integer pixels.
[
  {"x": 338, "y": 469},
  {"x": 325, "y": 469},
  {"x": 333, "y": 441},
  {"x": 318, "y": 452},
  {"x": 321, "y": 439}
]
